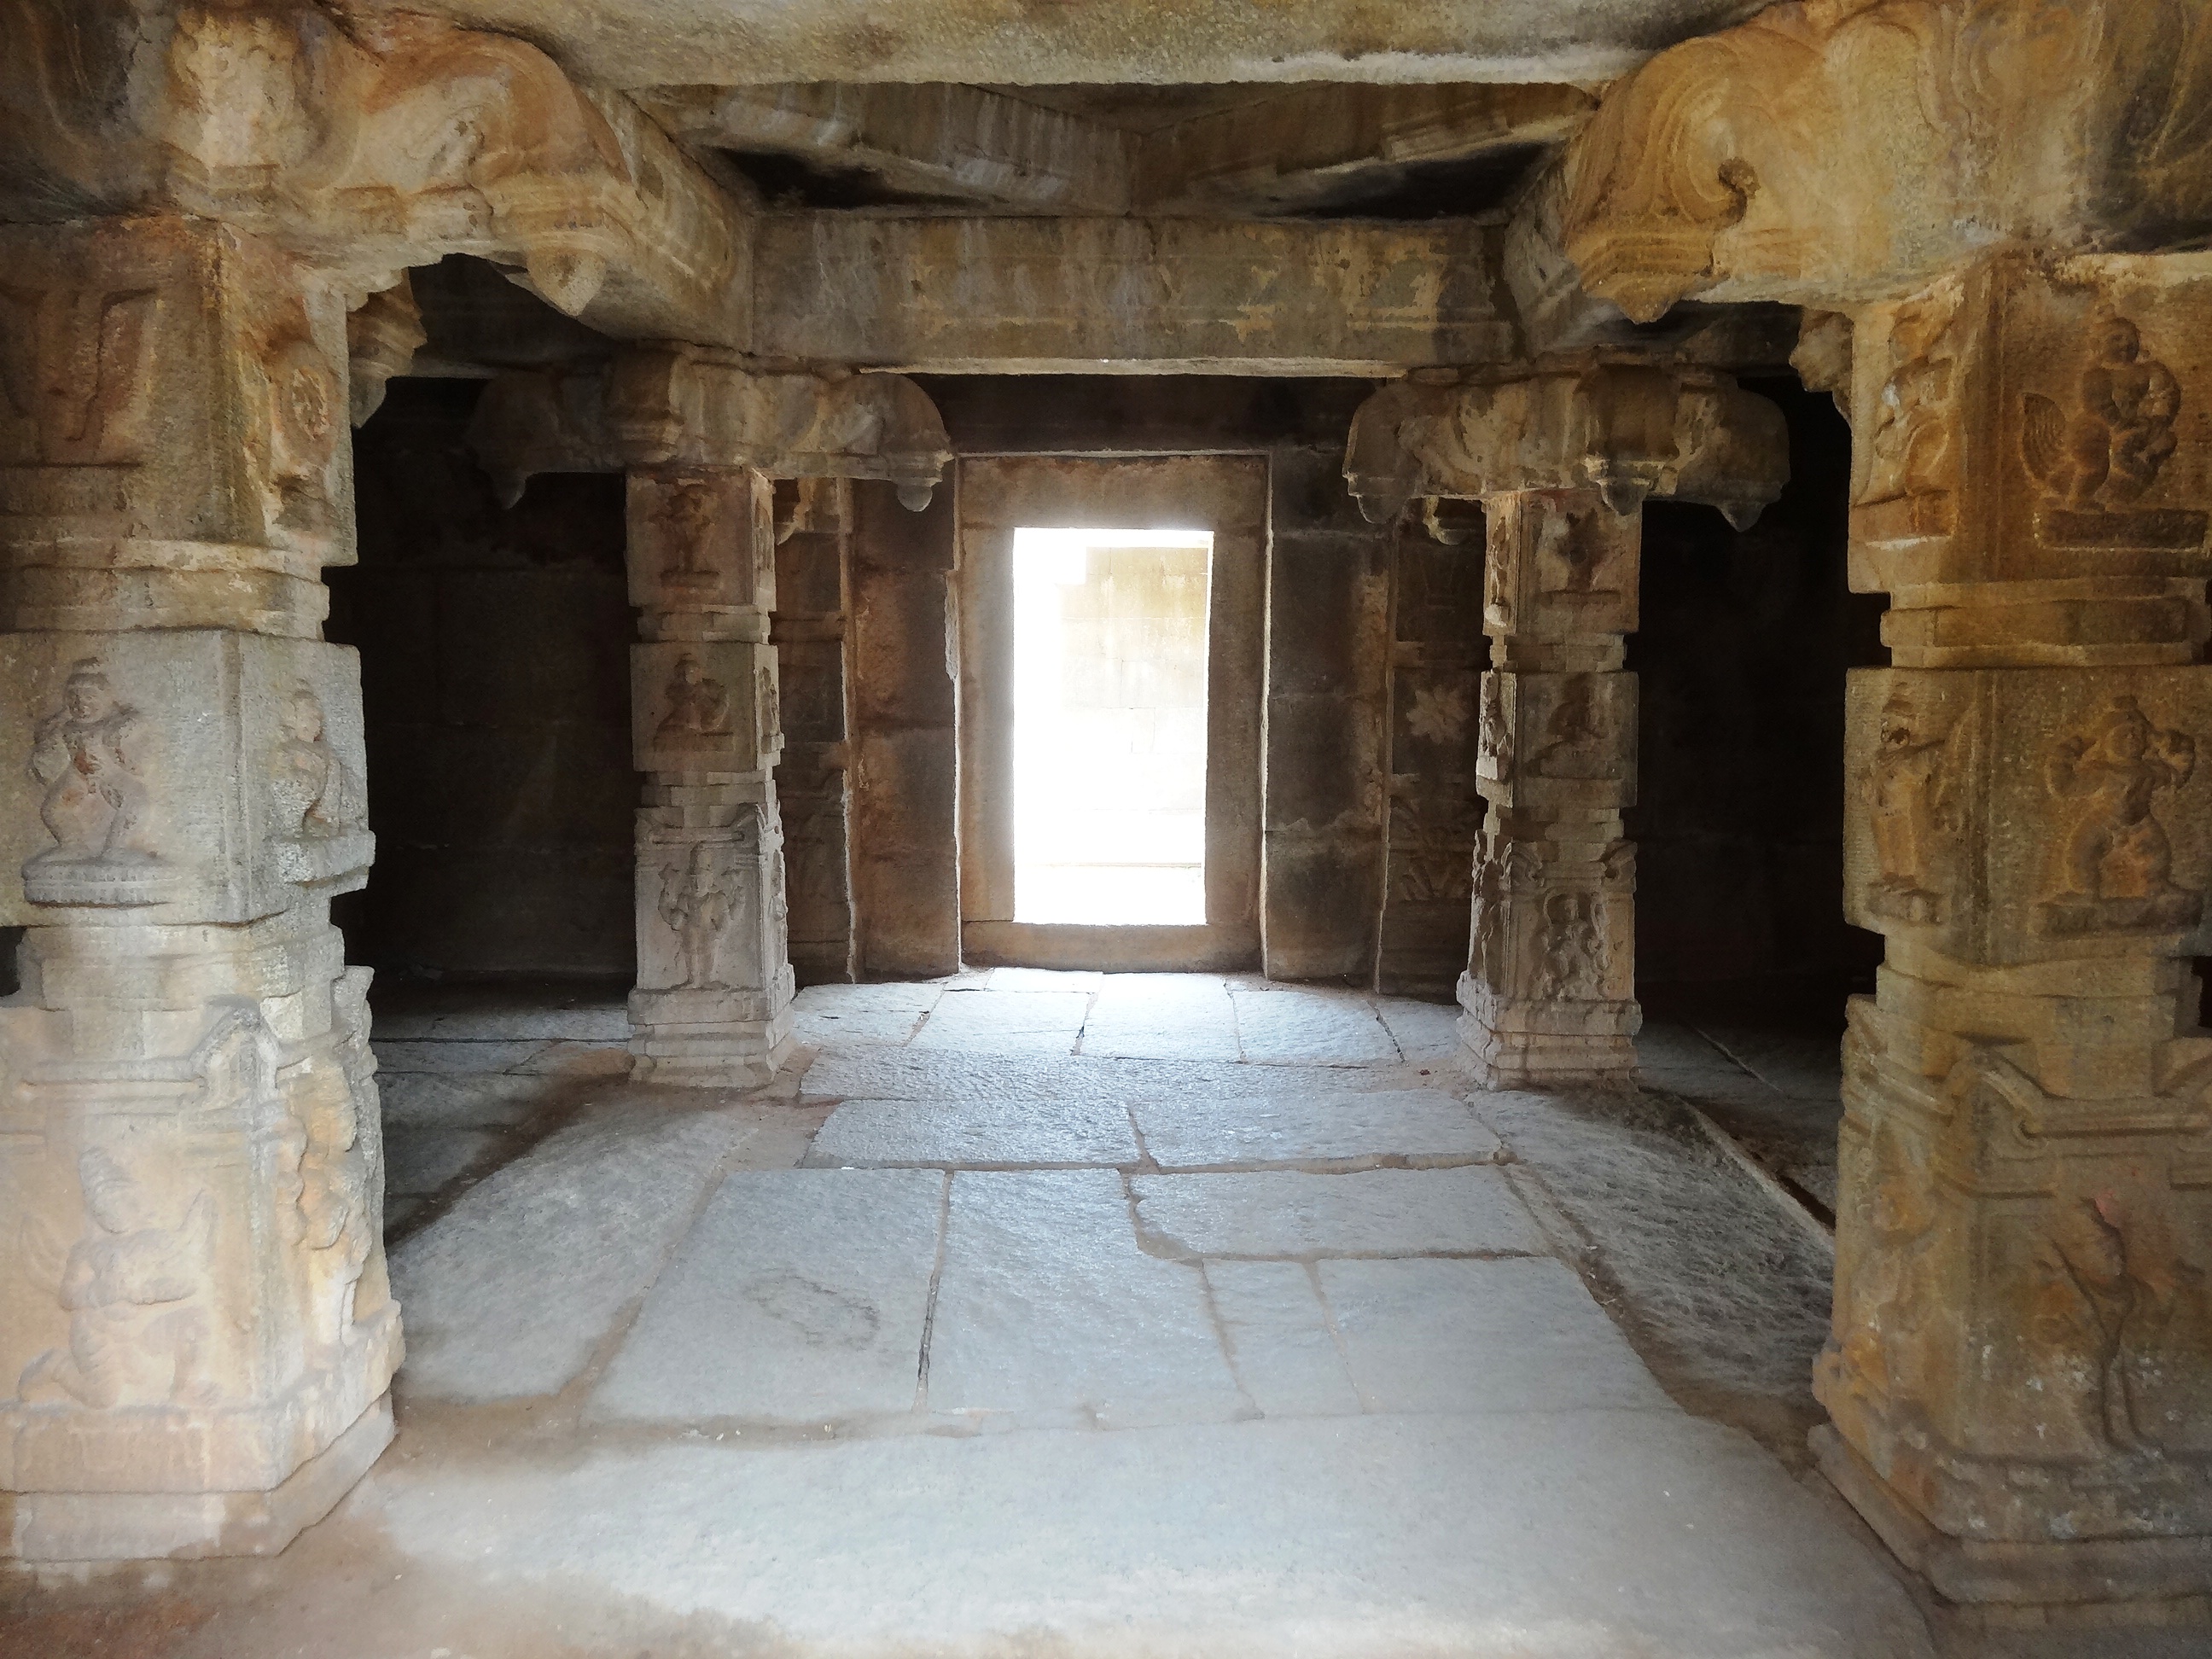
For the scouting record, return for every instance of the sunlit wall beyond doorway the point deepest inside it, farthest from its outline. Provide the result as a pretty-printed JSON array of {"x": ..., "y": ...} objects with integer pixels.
[{"x": 1110, "y": 631}]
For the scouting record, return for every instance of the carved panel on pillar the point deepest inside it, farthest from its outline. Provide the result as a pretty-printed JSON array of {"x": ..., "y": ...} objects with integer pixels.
[{"x": 701, "y": 541}]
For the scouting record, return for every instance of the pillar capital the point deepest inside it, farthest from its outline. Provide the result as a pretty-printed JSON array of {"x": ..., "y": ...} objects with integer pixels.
[
  {"x": 689, "y": 406},
  {"x": 1628, "y": 429}
]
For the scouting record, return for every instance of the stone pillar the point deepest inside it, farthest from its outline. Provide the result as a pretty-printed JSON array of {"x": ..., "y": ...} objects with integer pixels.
[
  {"x": 2020, "y": 1371},
  {"x": 196, "y": 1332},
  {"x": 712, "y": 1002},
  {"x": 812, "y": 564},
  {"x": 1562, "y": 454},
  {"x": 1550, "y": 990}
]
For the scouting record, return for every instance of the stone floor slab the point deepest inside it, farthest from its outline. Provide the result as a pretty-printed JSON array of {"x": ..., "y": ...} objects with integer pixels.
[
  {"x": 508, "y": 1293},
  {"x": 405, "y": 1054},
  {"x": 887, "y": 1013},
  {"x": 418, "y": 1162},
  {"x": 990, "y": 1134},
  {"x": 1285, "y": 1355},
  {"x": 1423, "y": 1031},
  {"x": 1293, "y": 1027},
  {"x": 1518, "y": 1334},
  {"x": 1049, "y": 1314},
  {"x": 1163, "y": 1016},
  {"x": 1043, "y": 979},
  {"x": 1497, "y": 1536},
  {"x": 1304, "y": 1126},
  {"x": 988, "y": 1022},
  {"x": 444, "y": 1100},
  {"x": 1378, "y": 1212},
  {"x": 800, "y": 1297}
]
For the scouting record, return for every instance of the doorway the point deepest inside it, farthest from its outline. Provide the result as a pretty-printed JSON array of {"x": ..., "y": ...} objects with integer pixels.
[{"x": 1111, "y": 653}]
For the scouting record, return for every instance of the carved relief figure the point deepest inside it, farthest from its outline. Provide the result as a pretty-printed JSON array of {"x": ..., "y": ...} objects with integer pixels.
[
  {"x": 700, "y": 899},
  {"x": 86, "y": 756},
  {"x": 1911, "y": 446},
  {"x": 2118, "y": 861},
  {"x": 686, "y": 516},
  {"x": 1497, "y": 736},
  {"x": 317, "y": 794},
  {"x": 2120, "y": 432},
  {"x": 334, "y": 1202},
  {"x": 1574, "y": 964},
  {"x": 133, "y": 1289},
  {"x": 1572, "y": 738},
  {"x": 2116, "y": 1292},
  {"x": 698, "y": 705},
  {"x": 304, "y": 411},
  {"x": 75, "y": 363},
  {"x": 1892, "y": 1280},
  {"x": 1908, "y": 790},
  {"x": 770, "y": 709}
]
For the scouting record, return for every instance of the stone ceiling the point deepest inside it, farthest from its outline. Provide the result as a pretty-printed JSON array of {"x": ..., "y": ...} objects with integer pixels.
[{"x": 642, "y": 43}]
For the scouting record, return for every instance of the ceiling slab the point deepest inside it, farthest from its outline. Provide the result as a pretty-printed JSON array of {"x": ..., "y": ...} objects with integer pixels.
[{"x": 634, "y": 43}]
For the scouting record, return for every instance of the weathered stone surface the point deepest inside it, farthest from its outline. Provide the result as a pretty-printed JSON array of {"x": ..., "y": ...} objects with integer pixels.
[
  {"x": 1481, "y": 1336},
  {"x": 1163, "y": 1016},
  {"x": 1309, "y": 1028},
  {"x": 1378, "y": 1212},
  {"x": 877, "y": 1133},
  {"x": 1049, "y": 1314},
  {"x": 606, "y": 1199},
  {"x": 1300, "y": 1127},
  {"x": 798, "y": 1298},
  {"x": 1280, "y": 1341},
  {"x": 1006, "y": 1022}
]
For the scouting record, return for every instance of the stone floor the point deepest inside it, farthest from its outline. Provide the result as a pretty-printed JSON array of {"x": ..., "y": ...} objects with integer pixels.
[{"x": 1075, "y": 1315}]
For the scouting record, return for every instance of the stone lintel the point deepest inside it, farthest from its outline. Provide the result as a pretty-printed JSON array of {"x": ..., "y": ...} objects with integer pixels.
[{"x": 1025, "y": 295}]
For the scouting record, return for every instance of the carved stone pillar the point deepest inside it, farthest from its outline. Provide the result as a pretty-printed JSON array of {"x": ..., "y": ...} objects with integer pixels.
[
  {"x": 712, "y": 1002},
  {"x": 1550, "y": 990},
  {"x": 195, "y": 1331},
  {"x": 1562, "y": 455},
  {"x": 2020, "y": 1371}
]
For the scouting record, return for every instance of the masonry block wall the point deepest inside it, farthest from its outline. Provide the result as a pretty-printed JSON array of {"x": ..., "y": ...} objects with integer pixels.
[{"x": 495, "y": 662}]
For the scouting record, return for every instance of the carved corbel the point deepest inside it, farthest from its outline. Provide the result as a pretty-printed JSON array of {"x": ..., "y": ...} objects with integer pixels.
[
  {"x": 1629, "y": 431},
  {"x": 383, "y": 334},
  {"x": 683, "y": 405},
  {"x": 1837, "y": 155},
  {"x": 366, "y": 145}
]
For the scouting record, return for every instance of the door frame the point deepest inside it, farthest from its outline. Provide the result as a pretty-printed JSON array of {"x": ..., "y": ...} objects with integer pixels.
[{"x": 998, "y": 494}]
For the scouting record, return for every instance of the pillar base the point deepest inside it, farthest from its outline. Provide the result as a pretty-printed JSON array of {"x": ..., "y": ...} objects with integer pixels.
[
  {"x": 701, "y": 1051},
  {"x": 1969, "y": 1570},
  {"x": 112, "y": 1525},
  {"x": 1513, "y": 1044}
]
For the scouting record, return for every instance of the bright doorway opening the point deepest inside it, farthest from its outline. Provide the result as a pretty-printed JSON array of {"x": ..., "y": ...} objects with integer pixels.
[{"x": 1109, "y": 725}]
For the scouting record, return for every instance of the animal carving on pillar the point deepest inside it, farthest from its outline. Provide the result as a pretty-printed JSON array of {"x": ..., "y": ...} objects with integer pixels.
[
  {"x": 2118, "y": 861},
  {"x": 2104, "y": 447}
]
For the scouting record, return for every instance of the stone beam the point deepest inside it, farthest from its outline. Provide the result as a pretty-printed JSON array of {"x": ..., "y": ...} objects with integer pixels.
[
  {"x": 365, "y": 147},
  {"x": 1839, "y": 156},
  {"x": 1301, "y": 149},
  {"x": 734, "y": 42},
  {"x": 686, "y": 406},
  {"x": 963, "y": 143},
  {"x": 1001, "y": 295}
]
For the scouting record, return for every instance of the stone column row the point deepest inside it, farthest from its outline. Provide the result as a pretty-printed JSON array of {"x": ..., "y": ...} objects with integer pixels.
[
  {"x": 195, "y": 1331},
  {"x": 2020, "y": 1371}
]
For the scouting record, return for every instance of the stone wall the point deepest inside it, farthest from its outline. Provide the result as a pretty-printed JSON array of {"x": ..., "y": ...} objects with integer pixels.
[{"x": 494, "y": 664}]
